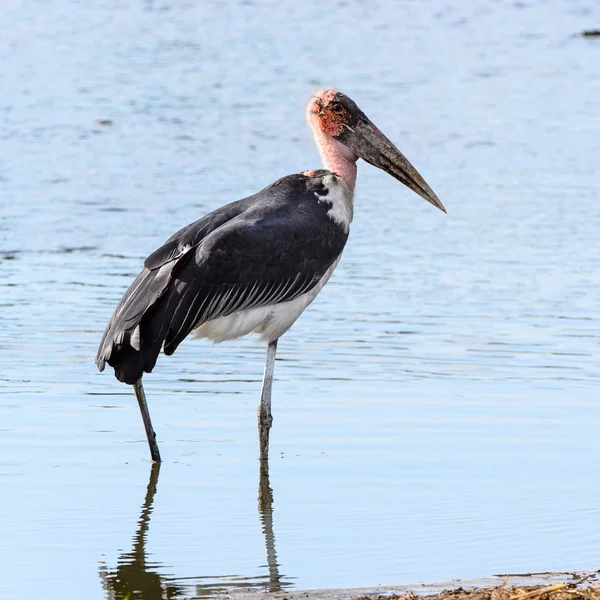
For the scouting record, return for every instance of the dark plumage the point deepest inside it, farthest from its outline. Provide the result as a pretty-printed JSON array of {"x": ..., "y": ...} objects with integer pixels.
[{"x": 265, "y": 249}]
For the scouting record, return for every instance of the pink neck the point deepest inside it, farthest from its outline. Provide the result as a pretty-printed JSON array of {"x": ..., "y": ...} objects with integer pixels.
[{"x": 336, "y": 157}]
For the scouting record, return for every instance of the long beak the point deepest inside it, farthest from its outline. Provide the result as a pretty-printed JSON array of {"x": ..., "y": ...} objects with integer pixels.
[{"x": 371, "y": 145}]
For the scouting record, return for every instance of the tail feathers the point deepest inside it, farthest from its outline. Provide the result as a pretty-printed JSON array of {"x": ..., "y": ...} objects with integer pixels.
[
  {"x": 130, "y": 351},
  {"x": 128, "y": 362},
  {"x": 133, "y": 337}
]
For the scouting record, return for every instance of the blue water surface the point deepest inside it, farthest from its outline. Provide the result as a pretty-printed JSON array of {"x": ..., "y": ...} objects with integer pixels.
[{"x": 437, "y": 407}]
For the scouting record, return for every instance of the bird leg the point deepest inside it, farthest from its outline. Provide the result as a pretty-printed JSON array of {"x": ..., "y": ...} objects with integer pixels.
[
  {"x": 141, "y": 398},
  {"x": 265, "y": 419}
]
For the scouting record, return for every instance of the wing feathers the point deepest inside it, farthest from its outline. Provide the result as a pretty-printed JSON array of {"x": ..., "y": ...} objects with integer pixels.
[
  {"x": 212, "y": 302},
  {"x": 266, "y": 249}
]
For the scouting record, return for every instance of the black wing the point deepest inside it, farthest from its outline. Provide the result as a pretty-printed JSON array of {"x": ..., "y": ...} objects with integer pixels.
[{"x": 268, "y": 248}]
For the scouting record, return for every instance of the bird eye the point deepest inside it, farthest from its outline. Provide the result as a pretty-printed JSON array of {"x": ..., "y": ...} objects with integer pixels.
[{"x": 337, "y": 107}]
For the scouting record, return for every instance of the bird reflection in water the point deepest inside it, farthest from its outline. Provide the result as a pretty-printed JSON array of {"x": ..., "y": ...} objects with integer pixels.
[
  {"x": 136, "y": 578},
  {"x": 265, "y": 512}
]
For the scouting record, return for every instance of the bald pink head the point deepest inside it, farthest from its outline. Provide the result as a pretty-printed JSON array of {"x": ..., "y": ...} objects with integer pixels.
[
  {"x": 328, "y": 119},
  {"x": 325, "y": 114}
]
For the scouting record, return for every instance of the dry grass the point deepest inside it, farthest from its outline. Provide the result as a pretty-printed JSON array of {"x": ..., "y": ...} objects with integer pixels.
[{"x": 580, "y": 589}]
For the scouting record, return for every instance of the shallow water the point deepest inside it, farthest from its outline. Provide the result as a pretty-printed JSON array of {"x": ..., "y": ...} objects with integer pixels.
[{"x": 436, "y": 409}]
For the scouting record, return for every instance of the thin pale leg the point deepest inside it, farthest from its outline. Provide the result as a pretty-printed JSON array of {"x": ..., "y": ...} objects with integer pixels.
[
  {"x": 141, "y": 398},
  {"x": 265, "y": 419}
]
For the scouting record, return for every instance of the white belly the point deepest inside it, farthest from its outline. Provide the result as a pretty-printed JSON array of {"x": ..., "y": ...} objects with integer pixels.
[{"x": 271, "y": 322}]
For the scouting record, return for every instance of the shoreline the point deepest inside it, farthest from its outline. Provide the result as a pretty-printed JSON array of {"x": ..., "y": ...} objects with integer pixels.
[{"x": 518, "y": 586}]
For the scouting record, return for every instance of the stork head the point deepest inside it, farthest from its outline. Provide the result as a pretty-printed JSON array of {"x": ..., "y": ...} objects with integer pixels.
[{"x": 335, "y": 116}]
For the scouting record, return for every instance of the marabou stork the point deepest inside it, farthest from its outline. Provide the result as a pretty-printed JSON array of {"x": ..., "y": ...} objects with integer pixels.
[{"x": 253, "y": 265}]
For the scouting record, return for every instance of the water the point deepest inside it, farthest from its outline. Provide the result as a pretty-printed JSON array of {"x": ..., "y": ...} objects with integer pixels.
[{"x": 436, "y": 409}]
